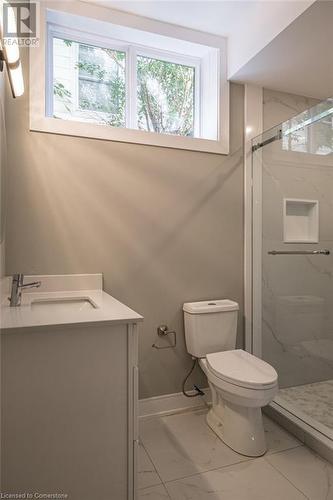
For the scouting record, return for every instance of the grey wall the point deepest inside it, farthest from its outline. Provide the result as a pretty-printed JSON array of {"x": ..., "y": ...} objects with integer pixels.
[
  {"x": 281, "y": 106},
  {"x": 164, "y": 226}
]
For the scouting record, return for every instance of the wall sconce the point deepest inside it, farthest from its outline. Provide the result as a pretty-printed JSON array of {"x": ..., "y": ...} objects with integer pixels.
[{"x": 10, "y": 57}]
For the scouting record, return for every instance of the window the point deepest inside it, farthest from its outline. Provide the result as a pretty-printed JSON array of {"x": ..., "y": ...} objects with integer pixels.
[
  {"x": 166, "y": 102},
  {"x": 89, "y": 84},
  {"x": 116, "y": 82}
]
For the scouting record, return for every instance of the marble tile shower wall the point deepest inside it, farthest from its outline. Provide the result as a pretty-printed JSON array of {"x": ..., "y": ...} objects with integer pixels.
[
  {"x": 297, "y": 290},
  {"x": 297, "y": 334}
]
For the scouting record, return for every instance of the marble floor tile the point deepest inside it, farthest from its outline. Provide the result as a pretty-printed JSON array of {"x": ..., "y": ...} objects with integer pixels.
[
  {"x": 316, "y": 400},
  {"x": 251, "y": 480},
  {"x": 183, "y": 445},
  {"x": 307, "y": 471},
  {"x": 147, "y": 475},
  {"x": 154, "y": 493},
  {"x": 278, "y": 439}
]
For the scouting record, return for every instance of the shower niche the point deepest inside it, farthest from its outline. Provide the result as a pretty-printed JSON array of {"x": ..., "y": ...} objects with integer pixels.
[{"x": 300, "y": 221}]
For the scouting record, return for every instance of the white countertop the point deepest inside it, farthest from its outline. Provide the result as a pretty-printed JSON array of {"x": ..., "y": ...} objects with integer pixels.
[{"x": 106, "y": 310}]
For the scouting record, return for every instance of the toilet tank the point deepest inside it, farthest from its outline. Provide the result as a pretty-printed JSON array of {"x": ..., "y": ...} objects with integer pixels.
[{"x": 210, "y": 326}]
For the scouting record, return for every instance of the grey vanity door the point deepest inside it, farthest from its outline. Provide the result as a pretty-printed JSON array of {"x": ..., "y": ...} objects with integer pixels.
[{"x": 66, "y": 420}]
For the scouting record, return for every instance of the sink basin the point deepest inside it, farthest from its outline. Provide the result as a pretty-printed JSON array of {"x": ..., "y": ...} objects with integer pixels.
[{"x": 62, "y": 304}]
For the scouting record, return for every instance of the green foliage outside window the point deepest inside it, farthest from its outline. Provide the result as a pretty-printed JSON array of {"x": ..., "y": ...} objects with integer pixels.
[
  {"x": 102, "y": 83},
  {"x": 165, "y": 91},
  {"x": 165, "y": 96}
]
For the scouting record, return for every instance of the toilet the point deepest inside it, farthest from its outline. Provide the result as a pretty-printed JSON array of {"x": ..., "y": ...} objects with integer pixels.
[{"x": 241, "y": 384}]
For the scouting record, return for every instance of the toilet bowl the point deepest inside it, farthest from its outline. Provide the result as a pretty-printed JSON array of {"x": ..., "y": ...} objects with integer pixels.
[{"x": 241, "y": 384}]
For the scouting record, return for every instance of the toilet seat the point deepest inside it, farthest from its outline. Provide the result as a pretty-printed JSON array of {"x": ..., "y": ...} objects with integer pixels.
[{"x": 242, "y": 369}]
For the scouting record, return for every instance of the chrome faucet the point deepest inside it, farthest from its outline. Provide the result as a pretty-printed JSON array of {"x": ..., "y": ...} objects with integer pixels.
[{"x": 17, "y": 286}]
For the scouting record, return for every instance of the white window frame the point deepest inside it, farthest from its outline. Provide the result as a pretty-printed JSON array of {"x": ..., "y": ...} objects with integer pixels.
[{"x": 40, "y": 100}]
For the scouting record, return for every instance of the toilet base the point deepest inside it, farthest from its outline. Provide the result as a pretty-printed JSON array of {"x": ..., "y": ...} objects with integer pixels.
[{"x": 239, "y": 427}]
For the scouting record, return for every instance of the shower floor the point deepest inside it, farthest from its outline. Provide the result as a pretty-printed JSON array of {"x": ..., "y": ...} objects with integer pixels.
[{"x": 315, "y": 400}]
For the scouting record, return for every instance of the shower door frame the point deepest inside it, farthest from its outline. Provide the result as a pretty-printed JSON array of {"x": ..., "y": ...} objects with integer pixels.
[
  {"x": 253, "y": 127},
  {"x": 257, "y": 234}
]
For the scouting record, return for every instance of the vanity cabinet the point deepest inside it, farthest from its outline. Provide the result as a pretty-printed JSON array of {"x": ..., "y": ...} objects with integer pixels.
[{"x": 69, "y": 411}]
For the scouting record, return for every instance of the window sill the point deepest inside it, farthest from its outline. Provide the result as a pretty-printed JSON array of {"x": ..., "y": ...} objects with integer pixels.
[{"x": 102, "y": 132}]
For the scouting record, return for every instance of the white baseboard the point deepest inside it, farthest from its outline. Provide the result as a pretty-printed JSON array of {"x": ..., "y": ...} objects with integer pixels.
[{"x": 172, "y": 403}]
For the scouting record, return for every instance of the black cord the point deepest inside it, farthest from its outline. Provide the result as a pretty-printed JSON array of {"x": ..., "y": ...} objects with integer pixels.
[{"x": 199, "y": 392}]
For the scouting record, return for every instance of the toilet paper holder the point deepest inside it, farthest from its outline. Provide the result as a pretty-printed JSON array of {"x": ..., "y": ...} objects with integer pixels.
[{"x": 163, "y": 331}]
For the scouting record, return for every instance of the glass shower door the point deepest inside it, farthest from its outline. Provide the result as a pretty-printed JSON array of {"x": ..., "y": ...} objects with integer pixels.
[{"x": 293, "y": 261}]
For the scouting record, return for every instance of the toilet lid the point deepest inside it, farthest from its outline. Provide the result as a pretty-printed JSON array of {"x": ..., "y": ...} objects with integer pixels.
[{"x": 240, "y": 368}]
